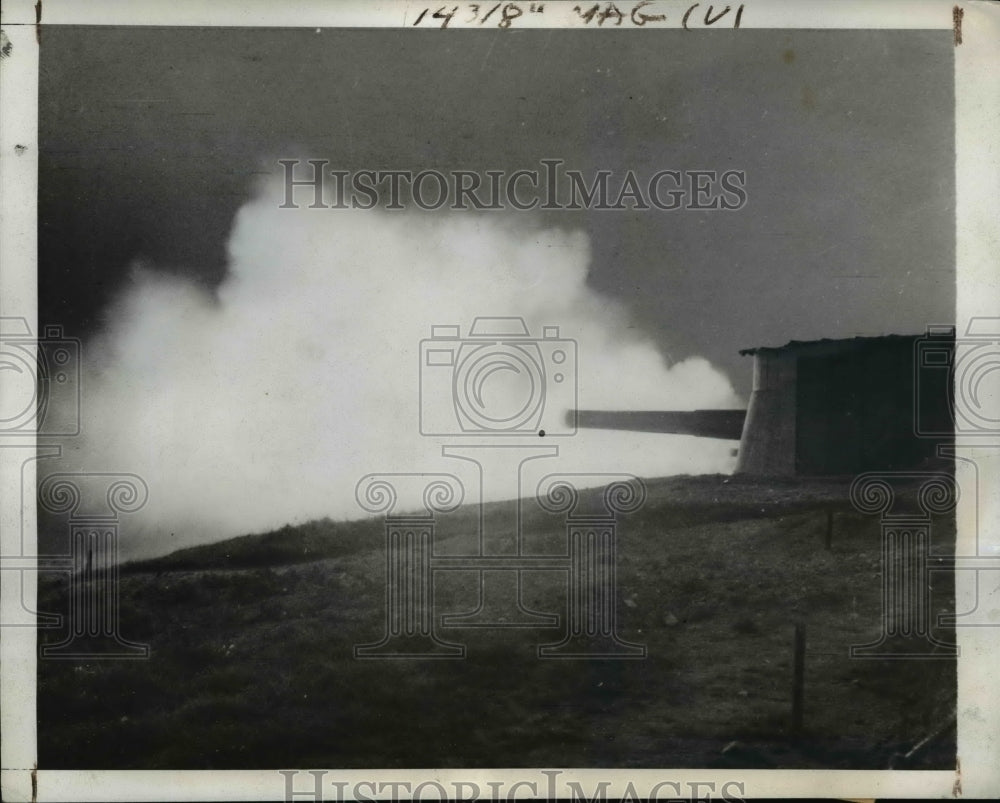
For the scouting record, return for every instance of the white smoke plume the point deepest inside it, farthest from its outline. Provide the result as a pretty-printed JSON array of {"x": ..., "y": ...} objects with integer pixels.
[{"x": 265, "y": 404}]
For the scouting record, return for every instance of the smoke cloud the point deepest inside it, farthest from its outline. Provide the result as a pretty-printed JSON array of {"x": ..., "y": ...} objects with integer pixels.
[{"x": 264, "y": 403}]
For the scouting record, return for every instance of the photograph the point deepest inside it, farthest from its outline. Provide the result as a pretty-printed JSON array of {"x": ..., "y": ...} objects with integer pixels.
[{"x": 494, "y": 387}]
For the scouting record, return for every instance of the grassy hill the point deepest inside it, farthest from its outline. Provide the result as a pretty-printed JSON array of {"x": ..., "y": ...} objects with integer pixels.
[
  {"x": 312, "y": 541},
  {"x": 252, "y": 651}
]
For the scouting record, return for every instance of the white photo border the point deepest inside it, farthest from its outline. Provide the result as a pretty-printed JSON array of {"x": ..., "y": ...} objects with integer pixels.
[{"x": 977, "y": 121}]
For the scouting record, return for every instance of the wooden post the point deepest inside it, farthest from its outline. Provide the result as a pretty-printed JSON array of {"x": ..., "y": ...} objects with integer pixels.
[
  {"x": 829, "y": 529},
  {"x": 798, "y": 677}
]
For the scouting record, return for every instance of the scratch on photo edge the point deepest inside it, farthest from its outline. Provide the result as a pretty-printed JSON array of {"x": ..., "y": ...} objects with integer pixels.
[{"x": 489, "y": 50}]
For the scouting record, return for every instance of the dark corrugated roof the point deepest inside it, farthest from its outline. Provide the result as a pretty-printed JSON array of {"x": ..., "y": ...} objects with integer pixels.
[{"x": 846, "y": 344}]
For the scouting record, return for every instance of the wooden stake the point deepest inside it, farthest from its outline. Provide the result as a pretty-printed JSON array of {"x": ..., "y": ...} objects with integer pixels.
[{"x": 798, "y": 677}]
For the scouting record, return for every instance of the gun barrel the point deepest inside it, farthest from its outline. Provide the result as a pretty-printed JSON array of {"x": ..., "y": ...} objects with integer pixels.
[{"x": 722, "y": 424}]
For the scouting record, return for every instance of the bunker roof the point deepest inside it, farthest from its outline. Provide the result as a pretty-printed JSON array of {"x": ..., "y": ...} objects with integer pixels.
[{"x": 830, "y": 346}]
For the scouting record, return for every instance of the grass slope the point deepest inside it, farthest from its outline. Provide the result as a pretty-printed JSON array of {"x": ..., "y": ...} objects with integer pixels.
[{"x": 252, "y": 652}]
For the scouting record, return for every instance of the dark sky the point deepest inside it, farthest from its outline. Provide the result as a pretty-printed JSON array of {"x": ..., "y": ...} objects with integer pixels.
[{"x": 152, "y": 138}]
